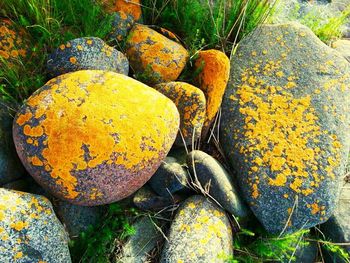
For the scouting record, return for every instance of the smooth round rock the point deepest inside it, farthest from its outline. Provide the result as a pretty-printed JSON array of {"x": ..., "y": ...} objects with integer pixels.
[
  {"x": 29, "y": 230},
  {"x": 200, "y": 232},
  {"x": 121, "y": 25},
  {"x": 153, "y": 57},
  {"x": 84, "y": 54},
  {"x": 94, "y": 137},
  {"x": 191, "y": 103},
  {"x": 171, "y": 177},
  {"x": 214, "y": 68},
  {"x": 285, "y": 125},
  {"x": 213, "y": 176}
]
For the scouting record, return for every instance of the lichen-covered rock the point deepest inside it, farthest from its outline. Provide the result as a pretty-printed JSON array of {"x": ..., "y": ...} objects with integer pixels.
[
  {"x": 29, "y": 230},
  {"x": 13, "y": 42},
  {"x": 94, "y": 137},
  {"x": 213, "y": 78},
  {"x": 86, "y": 53},
  {"x": 213, "y": 176},
  {"x": 77, "y": 219},
  {"x": 343, "y": 47},
  {"x": 11, "y": 168},
  {"x": 171, "y": 177},
  {"x": 129, "y": 7},
  {"x": 138, "y": 247},
  {"x": 121, "y": 25},
  {"x": 285, "y": 125},
  {"x": 190, "y": 101},
  {"x": 154, "y": 57},
  {"x": 200, "y": 232}
]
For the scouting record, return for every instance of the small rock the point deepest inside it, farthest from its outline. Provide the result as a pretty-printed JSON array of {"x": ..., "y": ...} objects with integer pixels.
[
  {"x": 30, "y": 231},
  {"x": 139, "y": 245},
  {"x": 191, "y": 104},
  {"x": 121, "y": 26},
  {"x": 343, "y": 47},
  {"x": 210, "y": 172},
  {"x": 200, "y": 232},
  {"x": 79, "y": 139},
  {"x": 86, "y": 53},
  {"x": 212, "y": 80},
  {"x": 77, "y": 219},
  {"x": 285, "y": 125},
  {"x": 171, "y": 177},
  {"x": 11, "y": 168},
  {"x": 154, "y": 57}
]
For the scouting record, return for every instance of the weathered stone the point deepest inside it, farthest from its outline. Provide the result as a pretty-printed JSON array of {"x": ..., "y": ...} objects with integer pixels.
[
  {"x": 121, "y": 26},
  {"x": 153, "y": 57},
  {"x": 30, "y": 231},
  {"x": 212, "y": 79},
  {"x": 191, "y": 104},
  {"x": 138, "y": 246},
  {"x": 86, "y": 53},
  {"x": 129, "y": 7},
  {"x": 11, "y": 168},
  {"x": 171, "y": 177},
  {"x": 284, "y": 125},
  {"x": 85, "y": 138},
  {"x": 200, "y": 232},
  {"x": 213, "y": 176},
  {"x": 343, "y": 47}
]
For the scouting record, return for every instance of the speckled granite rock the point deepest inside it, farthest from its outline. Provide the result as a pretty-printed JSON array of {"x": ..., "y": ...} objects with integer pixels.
[
  {"x": 210, "y": 172},
  {"x": 86, "y": 53},
  {"x": 85, "y": 138},
  {"x": 200, "y": 232},
  {"x": 285, "y": 125},
  {"x": 29, "y": 230}
]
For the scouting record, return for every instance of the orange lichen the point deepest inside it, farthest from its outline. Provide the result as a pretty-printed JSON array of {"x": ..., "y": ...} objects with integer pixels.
[
  {"x": 147, "y": 49},
  {"x": 132, "y": 7},
  {"x": 213, "y": 80},
  {"x": 74, "y": 122},
  {"x": 73, "y": 60}
]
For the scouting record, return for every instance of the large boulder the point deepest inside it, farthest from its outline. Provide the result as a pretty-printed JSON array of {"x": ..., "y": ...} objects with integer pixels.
[
  {"x": 284, "y": 125},
  {"x": 29, "y": 230},
  {"x": 94, "y": 137}
]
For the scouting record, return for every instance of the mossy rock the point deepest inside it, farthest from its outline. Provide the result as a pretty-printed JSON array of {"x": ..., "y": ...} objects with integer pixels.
[
  {"x": 86, "y": 53},
  {"x": 94, "y": 137},
  {"x": 29, "y": 230},
  {"x": 285, "y": 125}
]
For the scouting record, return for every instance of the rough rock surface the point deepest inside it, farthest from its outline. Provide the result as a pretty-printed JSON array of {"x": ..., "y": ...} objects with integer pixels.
[
  {"x": 285, "y": 125},
  {"x": 86, "y": 138},
  {"x": 121, "y": 26},
  {"x": 86, "y": 53},
  {"x": 200, "y": 232},
  {"x": 29, "y": 230},
  {"x": 343, "y": 47}
]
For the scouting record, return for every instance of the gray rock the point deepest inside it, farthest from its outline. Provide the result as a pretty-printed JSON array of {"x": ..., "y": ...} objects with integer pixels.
[
  {"x": 210, "y": 173},
  {"x": 11, "y": 168},
  {"x": 139, "y": 245},
  {"x": 86, "y": 53},
  {"x": 343, "y": 47},
  {"x": 30, "y": 231},
  {"x": 200, "y": 232},
  {"x": 121, "y": 25},
  {"x": 170, "y": 178},
  {"x": 284, "y": 125},
  {"x": 337, "y": 228}
]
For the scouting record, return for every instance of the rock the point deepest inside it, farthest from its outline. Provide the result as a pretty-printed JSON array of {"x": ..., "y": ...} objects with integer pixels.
[
  {"x": 153, "y": 57},
  {"x": 146, "y": 199},
  {"x": 18, "y": 185},
  {"x": 86, "y": 53},
  {"x": 170, "y": 178},
  {"x": 190, "y": 102},
  {"x": 305, "y": 253},
  {"x": 213, "y": 176},
  {"x": 77, "y": 219},
  {"x": 138, "y": 247},
  {"x": 337, "y": 228},
  {"x": 200, "y": 232},
  {"x": 129, "y": 7},
  {"x": 180, "y": 154},
  {"x": 13, "y": 42},
  {"x": 343, "y": 47},
  {"x": 78, "y": 137},
  {"x": 11, "y": 168},
  {"x": 121, "y": 26},
  {"x": 284, "y": 125},
  {"x": 212, "y": 79},
  {"x": 29, "y": 230}
]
